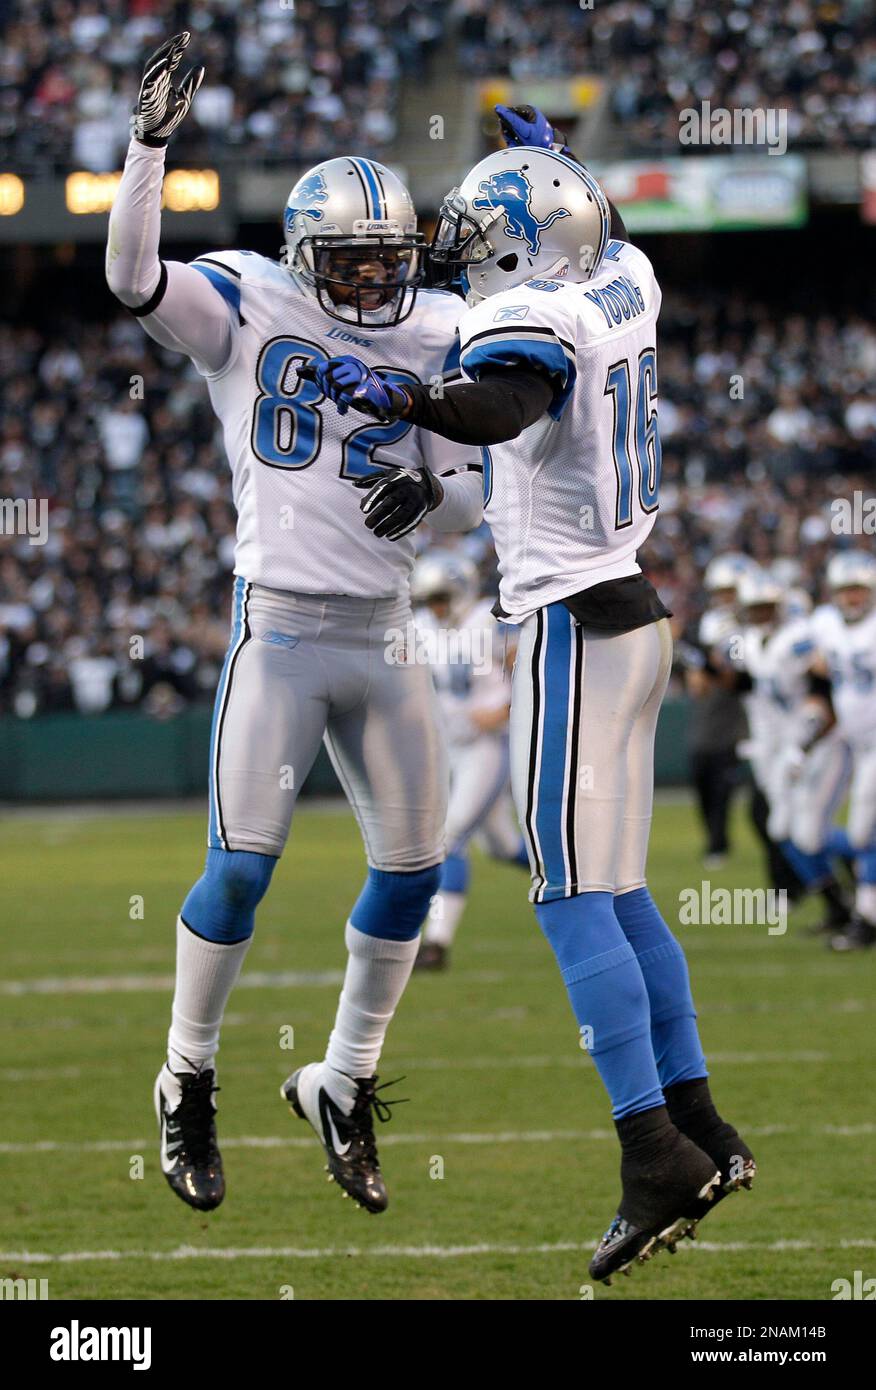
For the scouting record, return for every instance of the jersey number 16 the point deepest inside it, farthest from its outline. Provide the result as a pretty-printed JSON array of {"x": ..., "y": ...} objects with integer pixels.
[{"x": 644, "y": 447}]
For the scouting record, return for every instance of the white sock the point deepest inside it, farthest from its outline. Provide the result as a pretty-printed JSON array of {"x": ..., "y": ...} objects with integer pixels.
[
  {"x": 377, "y": 971},
  {"x": 865, "y": 902},
  {"x": 206, "y": 973},
  {"x": 444, "y": 914}
]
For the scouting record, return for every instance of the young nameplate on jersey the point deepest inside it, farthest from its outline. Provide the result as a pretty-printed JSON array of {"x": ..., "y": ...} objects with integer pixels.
[
  {"x": 559, "y": 348},
  {"x": 316, "y": 589}
]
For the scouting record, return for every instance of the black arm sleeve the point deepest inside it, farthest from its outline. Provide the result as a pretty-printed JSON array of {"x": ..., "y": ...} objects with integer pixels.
[
  {"x": 617, "y": 229},
  {"x": 488, "y": 411}
]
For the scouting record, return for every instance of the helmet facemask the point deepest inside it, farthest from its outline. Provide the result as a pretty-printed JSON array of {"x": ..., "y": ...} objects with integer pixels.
[{"x": 369, "y": 280}]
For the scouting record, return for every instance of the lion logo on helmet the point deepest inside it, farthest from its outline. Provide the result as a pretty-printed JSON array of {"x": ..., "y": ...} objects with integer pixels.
[
  {"x": 310, "y": 191},
  {"x": 511, "y": 192}
]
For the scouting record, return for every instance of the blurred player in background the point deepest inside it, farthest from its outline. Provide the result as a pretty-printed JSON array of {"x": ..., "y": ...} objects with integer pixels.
[
  {"x": 844, "y": 633},
  {"x": 317, "y": 588},
  {"x": 559, "y": 348},
  {"x": 787, "y": 713},
  {"x": 471, "y": 655}
]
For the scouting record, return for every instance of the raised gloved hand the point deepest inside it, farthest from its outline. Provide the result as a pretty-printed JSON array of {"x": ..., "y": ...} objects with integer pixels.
[
  {"x": 348, "y": 382},
  {"x": 161, "y": 106},
  {"x": 524, "y": 125}
]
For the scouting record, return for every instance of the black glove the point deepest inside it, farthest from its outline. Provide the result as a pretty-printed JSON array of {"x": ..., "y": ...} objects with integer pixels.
[
  {"x": 398, "y": 499},
  {"x": 160, "y": 106}
]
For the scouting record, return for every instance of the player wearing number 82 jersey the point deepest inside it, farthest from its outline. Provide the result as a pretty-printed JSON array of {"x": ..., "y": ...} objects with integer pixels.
[{"x": 317, "y": 591}]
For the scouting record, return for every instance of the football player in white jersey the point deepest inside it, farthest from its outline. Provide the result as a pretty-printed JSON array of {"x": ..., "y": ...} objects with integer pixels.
[
  {"x": 844, "y": 631},
  {"x": 559, "y": 348},
  {"x": 470, "y": 654},
  {"x": 317, "y": 587},
  {"x": 721, "y": 583},
  {"x": 793, "y": 748}
]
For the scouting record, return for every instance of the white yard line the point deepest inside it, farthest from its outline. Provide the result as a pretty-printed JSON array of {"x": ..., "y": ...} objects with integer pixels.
[
  {"x": 395, "y": 1252},
  {"x": 566, "y": 1062},
  {"x": 508, "y": 1136}
]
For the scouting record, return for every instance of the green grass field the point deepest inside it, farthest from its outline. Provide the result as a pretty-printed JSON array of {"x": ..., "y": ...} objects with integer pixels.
[{"x": 500, "y": 1091}]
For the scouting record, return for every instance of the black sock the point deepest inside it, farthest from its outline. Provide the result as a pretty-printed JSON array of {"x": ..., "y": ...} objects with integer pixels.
[
  {"x": 691, "y": 1108},
  {"x": 838, "y": 912},
  {"x": 647, "y": 1135}
]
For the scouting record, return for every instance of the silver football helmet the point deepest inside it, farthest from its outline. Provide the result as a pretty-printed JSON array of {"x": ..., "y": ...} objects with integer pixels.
[
  {"x": 851, "y": 578},
  {"x": 352, "y": 242},
  {"x": 444, "y": 577},
  {"x": 518, "y": 214},
  {"x": 759, "y": 597},
  {"x": 724, "y": 572}
]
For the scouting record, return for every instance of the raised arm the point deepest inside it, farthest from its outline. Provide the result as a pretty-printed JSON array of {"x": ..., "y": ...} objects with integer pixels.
[{"x": 179, "y": 308}]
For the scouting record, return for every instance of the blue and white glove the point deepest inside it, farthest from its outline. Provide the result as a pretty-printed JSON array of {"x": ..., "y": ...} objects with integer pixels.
[
  {"x": 524, "y": 125},
  {"x": 348, "y": 382}
]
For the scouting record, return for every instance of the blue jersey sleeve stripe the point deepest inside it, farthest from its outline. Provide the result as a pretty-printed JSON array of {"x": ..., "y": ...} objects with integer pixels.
[
  {"x": 228, "y": 290},
  {"x": 451, "y": 361},
  {"x": 534, "y": 352}
]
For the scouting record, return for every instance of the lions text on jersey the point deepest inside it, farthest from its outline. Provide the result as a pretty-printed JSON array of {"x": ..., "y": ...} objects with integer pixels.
[{"x": 572, "y": 498}]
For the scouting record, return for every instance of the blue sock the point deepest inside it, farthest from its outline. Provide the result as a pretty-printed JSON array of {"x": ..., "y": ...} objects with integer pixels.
[
  {"x": 394, "y": 905},
  {"x": 221, "y": 906},
  {"x": 454, "y": 874},
  {"x": 838, "y": 843},
  {"x": 809, "y": 868},
  {"x": 607, "y": 994},
  {"x": 865, "y": 866},
  {"x": 674, "y": 1035}
]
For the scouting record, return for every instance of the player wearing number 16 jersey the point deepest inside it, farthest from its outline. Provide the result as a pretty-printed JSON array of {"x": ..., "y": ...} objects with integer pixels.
[
  {"x": 559, "y": 346},
  {"x": 318, "y": 589}
]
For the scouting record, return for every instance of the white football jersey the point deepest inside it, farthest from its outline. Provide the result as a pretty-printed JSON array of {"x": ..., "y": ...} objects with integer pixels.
[
  {"x": 715, "y": 625},
  {"x": 293, "y": 458},
  {"x": 849, "y": 650},
  {"x": 778, "y": 663},
  {"x": 571, "y": 499},
  {"x": 468, "y": 664}
]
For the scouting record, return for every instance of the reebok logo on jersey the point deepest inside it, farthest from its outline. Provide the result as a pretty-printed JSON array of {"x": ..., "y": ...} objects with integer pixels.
[
  {"x": 511, "y": 311},
  {"x": 281, "y": 639}
]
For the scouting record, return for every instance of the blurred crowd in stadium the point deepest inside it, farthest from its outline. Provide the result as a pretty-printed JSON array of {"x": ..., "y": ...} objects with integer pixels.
[
  {"x": 306, "y": 79},
  {"x": 814, "y": 58},
  {"x": 765, "y": 421},
  {"x": 286, "y": 79}
]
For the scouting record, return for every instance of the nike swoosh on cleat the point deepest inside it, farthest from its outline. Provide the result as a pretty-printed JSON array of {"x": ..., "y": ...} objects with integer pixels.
[{"x": 328, "y": 1126}]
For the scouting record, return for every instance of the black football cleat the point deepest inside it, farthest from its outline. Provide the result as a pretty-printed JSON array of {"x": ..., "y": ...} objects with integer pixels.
[
  {"x": 190, "y": 1157},
  {"x": 858, "y": 935},
  {"x": 432, "y": 956},
  {"x": 658, "y": 1195},
  {"x": 348, "y": 1140},
  {"x": 693, "y": 1112}
]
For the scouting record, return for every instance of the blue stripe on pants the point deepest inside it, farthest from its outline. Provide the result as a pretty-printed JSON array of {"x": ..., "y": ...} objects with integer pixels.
[
  {"x": 214, "y": 840},
  {"x": 552, "y": 778}
]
